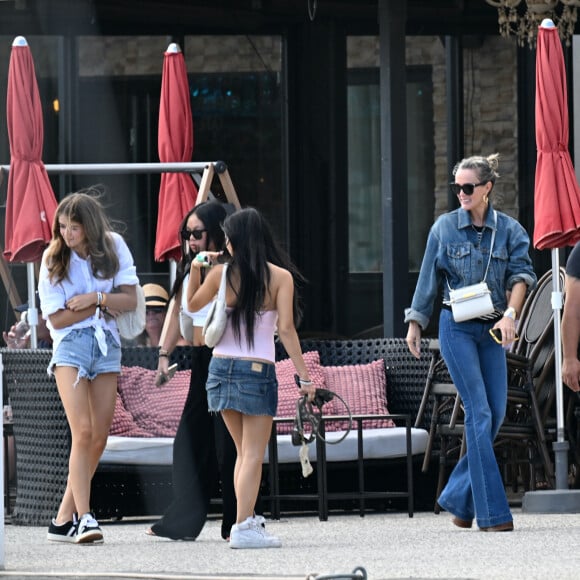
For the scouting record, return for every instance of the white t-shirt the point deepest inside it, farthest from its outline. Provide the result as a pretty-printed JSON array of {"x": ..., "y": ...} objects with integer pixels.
[
  {"x": 80, "y": 280},
  {"x": 198, "y": 317}
]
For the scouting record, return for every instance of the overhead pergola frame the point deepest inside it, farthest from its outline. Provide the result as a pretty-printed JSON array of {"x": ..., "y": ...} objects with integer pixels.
[{"x": 206, "y": 169}]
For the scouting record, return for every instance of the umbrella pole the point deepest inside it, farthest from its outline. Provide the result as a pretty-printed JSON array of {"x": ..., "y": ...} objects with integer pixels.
[
  {"x": 32, "y": 311},
  {"x": 560, "y": 446},
  {"x": 560, "y": 500},
  {"x": 3, "y": 460},
  {"x": 172, "y": 272}
]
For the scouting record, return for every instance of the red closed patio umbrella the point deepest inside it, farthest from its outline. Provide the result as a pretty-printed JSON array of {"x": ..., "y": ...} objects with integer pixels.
[
  {"x": 557, "y": 224},
  {"x": 30, "y": 201},
  {"x": 557, "y": 194},
  {"x": 178, "y": 192}
]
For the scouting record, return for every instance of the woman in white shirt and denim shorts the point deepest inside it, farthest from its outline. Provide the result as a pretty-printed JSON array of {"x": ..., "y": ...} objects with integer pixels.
[{"x": 84, "y": 262}]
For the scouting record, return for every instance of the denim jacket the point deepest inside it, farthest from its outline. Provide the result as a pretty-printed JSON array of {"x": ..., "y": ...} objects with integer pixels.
[{"x": 454, "y": 256}]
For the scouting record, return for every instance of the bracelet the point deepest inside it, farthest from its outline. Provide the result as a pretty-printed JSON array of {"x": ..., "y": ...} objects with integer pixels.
[
  {"x": 163, "y": 355},
  {"x": 305, "y": 383},
  {"x": 163, "y": 352},
  {"x": 103, "y": 299},
  {"x": 99, "y": 298},
  {"x": 510, "y": 313}
]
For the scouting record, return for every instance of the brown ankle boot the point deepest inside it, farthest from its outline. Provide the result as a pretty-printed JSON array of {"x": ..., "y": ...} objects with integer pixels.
[
  {"x": 505, "y": 527},
  {"x": 461, "y": 523}
]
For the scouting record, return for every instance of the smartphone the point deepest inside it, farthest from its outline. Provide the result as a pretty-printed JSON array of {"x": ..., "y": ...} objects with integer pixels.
[
  {"x": 496, "y": 335},
  {"x": 166, "y": 377}
]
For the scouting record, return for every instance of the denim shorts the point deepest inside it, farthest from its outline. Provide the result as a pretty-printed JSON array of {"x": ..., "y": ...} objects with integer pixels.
[
  {"x": 247, "y": 386},
  {"x": 79, "y": 349}
]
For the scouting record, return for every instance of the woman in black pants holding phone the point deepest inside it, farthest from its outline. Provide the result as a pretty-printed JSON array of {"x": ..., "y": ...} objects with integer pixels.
[{"x": 202, "y": 443}]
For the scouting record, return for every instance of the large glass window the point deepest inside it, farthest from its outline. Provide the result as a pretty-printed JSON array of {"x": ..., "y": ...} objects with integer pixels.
[
  {"x": 236, "y": 101},
  {"x": 365, "y": 227},
  {"x": 420, "y": 161},
  {"x": 364, "y": 170}
]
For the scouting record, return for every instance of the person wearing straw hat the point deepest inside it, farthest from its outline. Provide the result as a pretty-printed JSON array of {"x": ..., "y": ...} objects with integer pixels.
[{"x": 156, "y": 301}]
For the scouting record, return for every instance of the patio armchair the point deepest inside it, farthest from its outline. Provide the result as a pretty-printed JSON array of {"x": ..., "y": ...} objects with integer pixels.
[{"x": 522, "y": 440}]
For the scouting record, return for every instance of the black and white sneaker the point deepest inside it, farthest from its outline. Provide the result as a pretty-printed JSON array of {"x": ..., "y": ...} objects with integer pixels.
[
  {"x": 88, "y": 530},
  {"x": 66, "y": 532}
]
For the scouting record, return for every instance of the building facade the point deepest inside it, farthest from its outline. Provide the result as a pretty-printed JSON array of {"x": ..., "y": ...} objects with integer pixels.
[{"x": 339, "y": 125}]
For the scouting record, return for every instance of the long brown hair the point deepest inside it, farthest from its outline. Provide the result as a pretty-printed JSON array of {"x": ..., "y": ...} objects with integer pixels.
[{"x": 86, "y": 210}]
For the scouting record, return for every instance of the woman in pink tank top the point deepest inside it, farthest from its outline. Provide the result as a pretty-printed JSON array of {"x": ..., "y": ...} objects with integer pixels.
[{"x": 241, "y": 381}]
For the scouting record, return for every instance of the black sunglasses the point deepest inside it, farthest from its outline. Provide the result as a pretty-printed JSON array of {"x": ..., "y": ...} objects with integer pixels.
[
  {"x": 186, "y": 234},
  {"x": 468, "y": 188}
]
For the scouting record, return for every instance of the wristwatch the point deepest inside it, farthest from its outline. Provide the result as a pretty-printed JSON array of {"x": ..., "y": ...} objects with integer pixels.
[{"x": 510, "y": 313}]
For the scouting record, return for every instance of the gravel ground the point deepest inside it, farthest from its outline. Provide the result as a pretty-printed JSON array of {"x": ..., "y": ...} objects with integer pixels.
[{"x": 385, "y": 545}]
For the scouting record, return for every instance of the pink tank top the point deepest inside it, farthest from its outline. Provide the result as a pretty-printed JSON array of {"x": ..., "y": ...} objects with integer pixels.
[{"x": 264, "y": 328}]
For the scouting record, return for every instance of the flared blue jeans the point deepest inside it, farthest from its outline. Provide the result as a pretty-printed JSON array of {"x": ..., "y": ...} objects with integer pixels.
[{"x": 477, "y": 365}]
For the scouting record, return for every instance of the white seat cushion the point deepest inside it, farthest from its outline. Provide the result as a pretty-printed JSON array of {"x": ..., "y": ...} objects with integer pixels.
[{"x": 378, "y": 444}]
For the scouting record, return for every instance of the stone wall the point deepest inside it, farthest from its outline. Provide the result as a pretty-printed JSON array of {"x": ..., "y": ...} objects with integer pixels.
[
  {"x": 143, "y": 55},
  {"x": 490, "y": 106}
]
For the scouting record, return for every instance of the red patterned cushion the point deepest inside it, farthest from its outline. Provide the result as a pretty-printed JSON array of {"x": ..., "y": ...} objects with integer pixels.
[
  {"x": 288, "y": 391},
  {"x": 124, "y": 424},
  {"x": 157, "y": 410},
  {"x": 364, "y": 388}
]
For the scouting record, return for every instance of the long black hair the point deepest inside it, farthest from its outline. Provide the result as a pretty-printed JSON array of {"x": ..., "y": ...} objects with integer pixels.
[
  {"x": 253, "y": 247},
  {"x": 212, "y": 214}
]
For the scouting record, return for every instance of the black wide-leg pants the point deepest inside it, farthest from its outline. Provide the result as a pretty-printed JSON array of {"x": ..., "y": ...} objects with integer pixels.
[{"x": 202, "y": 448}]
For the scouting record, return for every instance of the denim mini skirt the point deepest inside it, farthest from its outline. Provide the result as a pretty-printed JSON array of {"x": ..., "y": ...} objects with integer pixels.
[{"x": 247, "y": 386}]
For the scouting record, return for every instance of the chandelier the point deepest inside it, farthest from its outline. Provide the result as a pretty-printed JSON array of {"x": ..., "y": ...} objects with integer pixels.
[{"x": 521, "y": 18}]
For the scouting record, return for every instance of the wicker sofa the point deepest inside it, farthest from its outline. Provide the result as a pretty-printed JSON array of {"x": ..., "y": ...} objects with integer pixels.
[{"x": 43, "y": 442}]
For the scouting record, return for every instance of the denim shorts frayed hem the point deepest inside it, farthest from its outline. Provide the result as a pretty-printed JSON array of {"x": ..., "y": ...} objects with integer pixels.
[
  {"x": 249, "y": 387},
  {"x": 79, "y": 349}
]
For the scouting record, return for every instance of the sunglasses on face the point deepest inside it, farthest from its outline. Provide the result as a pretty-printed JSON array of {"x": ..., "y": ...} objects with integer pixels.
[
  {"x": 186, "y": 234},
  {"x": 468, "y": 188}
]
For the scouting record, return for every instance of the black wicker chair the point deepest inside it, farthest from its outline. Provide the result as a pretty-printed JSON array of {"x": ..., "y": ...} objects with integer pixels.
[
  {"x": 43, "y": 440},
  {"x": 41, "y": 434},
  {"x": 405, "y": 380}
]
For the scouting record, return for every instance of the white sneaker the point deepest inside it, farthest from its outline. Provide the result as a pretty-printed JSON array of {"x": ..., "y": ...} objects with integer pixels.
[
  {"x": 251, "y": 533},
  {"x": 88, "y": 530},
  {"x": 259, "y": 520}
]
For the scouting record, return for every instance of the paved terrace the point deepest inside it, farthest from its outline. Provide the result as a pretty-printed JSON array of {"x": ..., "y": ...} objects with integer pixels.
[{"x": 387, "y": 545}]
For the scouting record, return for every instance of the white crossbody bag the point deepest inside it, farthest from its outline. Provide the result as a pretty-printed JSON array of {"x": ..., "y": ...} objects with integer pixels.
[{"x": 473, "y": 301}]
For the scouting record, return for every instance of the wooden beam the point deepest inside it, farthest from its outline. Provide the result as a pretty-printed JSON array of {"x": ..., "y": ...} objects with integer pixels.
[{"x": 8, "y": 281}]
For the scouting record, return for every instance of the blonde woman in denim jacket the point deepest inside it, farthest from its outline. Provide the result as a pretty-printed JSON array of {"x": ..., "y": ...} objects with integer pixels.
[{"x": 457, "y": 255}]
